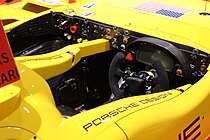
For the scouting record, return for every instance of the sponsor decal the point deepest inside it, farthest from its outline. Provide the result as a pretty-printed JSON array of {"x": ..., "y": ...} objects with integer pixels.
[
  {"x": 122, "y": 109},
  {"x": 73, "y": 12},
  {"x": 192, "y": 131},
  {"x": 87, "y": 14},
  {"x": 70, "y": 11},
  {"x": 51, "y": 2},
  {"x": 8, "y": 69},
  {"x": 89, "y": 5}
]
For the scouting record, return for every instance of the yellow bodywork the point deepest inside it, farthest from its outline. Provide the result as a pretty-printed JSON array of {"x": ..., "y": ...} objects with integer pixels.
[{"x": 27, "y": 106}]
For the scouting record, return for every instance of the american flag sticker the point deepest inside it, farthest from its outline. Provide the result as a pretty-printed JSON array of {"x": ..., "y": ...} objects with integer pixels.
[{"x": 162, "y": 9}]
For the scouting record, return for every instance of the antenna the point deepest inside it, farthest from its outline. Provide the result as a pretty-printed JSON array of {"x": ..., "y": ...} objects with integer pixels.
[
  {"x": 206, "y": 5},
  {"x": 205, "y": 13}
]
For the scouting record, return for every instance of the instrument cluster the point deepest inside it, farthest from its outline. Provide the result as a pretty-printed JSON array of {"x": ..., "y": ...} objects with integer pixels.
[
  {"x": 76, "y": 29},
  {"x": 85, "y": 29}
]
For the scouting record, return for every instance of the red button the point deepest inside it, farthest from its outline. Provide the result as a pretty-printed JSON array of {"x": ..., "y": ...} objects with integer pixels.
[
  {"x": 125, "y": 40},
  {"x": 129, "y": 57},
  {"x": 108, "y": 31},
  {"x": 179, "y": 71},
  {"x": 202, "y": 68},
  {"x": 73, "y": 29}
]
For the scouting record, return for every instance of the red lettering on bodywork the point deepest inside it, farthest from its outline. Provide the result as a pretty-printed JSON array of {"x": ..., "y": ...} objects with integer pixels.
[
  {"x": 8, "y": 69},
  {"x": 7, "y": 2}
]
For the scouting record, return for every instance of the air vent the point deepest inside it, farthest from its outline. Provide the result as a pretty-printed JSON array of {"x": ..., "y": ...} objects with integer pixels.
[
  {"x": 8, "y": 21},
  {"x": 35, "y": 8}
]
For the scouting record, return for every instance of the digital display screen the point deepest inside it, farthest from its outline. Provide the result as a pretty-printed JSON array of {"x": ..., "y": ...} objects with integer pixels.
[{"x": 149, "y": 55}]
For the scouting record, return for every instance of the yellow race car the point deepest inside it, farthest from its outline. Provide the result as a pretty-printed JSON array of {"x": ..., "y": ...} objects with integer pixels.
[{"x": 112, "y": 70}]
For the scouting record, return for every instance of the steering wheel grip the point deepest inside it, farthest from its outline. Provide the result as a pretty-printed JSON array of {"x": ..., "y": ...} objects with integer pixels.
[
  {"x": 163, "y": 80},
  {"x": 114, "y": 75}
]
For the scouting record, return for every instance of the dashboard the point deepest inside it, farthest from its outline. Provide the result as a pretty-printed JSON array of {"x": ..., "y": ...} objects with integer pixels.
[{"x": 185, "y": 60}]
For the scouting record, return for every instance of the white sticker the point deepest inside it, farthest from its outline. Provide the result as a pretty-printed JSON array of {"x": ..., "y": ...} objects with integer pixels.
[
  {"x": 87, "y": 14},
  {"x": 52, "y": 2},
  {"x": 70, "y": 11},
  {"x": 89, "y": 5}
]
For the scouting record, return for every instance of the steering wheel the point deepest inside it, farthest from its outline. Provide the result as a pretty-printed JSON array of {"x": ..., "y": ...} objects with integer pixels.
[{"x": 135, "y": 82}]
